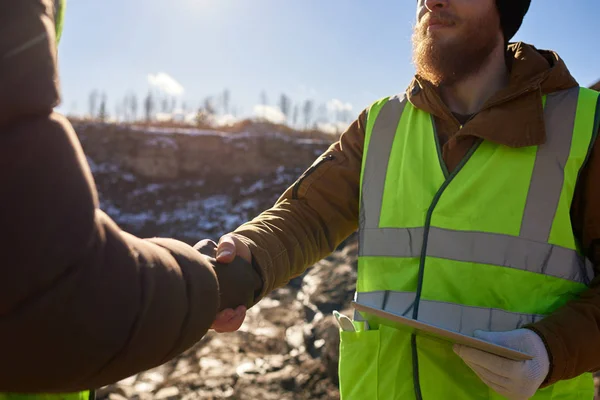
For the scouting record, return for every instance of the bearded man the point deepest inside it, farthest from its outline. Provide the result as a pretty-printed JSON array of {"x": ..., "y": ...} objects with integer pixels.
[{"x": 473, "y": 193}]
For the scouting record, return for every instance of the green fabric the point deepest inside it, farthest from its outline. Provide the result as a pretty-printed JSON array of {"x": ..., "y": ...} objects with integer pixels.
[
  {"x": 507, "y": 193},
  {"x": 59, "y": 18},
  {"x": 584, "y": 125},
  {"x": 415, "y": 157},
  {"x": 491, "y": 286},
  {"x": 387, "y": 273},
  {"x": 57, "y": 396},
  {"x": 378, "y": 364}
]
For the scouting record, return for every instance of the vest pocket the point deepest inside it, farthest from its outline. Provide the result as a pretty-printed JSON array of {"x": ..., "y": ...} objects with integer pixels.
[
  {"x": 376, "y": 364},
  {"x": 358, "y": 364}
]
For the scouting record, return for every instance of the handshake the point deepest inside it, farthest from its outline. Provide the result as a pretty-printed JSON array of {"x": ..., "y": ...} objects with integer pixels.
[{"x": 239, "y": 282}]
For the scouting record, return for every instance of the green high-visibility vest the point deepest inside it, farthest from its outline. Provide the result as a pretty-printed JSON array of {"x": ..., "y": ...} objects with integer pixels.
[{"x": 489, "y": 246}]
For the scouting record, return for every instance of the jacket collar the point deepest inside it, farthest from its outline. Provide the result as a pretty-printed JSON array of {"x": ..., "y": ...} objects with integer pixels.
[{"x": 514, "y": 116}]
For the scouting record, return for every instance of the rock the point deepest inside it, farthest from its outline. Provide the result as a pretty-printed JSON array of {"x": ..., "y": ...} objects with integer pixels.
[
  {"x": 330, "y": 286},
  {"x": 294, "y": 336},
  {"x": 116, "y": 390},
  {"x": 327, "y": 331},
  {"x": 144, "y": 387},
  {"x": 170, "y": 393}
]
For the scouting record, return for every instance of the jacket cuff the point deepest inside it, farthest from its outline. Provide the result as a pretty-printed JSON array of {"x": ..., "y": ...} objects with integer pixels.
[
  {"x": 261, "y": 262},
  {"x": 557, "y": 353}
]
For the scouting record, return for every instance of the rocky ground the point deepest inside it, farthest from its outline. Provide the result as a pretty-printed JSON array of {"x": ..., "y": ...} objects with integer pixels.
[{"x": 288, "y": 345}]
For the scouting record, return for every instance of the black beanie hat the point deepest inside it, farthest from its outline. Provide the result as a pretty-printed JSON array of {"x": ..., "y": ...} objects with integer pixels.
[{"x": 511, "y": 13}]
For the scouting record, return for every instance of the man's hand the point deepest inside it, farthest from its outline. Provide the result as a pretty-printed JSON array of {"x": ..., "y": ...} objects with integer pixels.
[
  {"x": 231, "y": 316},
  {"x": 516, "y": 380}
]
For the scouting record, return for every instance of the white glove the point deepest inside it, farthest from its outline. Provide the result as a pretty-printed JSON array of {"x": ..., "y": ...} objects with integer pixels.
[{"x": 516, "y": 380}]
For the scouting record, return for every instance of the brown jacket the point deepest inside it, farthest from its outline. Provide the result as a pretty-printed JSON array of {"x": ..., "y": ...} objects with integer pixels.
[
  {"x": 321, "y": 209},
  {"x": 82, "y": 303}
]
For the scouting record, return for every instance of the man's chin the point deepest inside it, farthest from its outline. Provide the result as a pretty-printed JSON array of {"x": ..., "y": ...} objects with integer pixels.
[{"x": 442, "y": 36}]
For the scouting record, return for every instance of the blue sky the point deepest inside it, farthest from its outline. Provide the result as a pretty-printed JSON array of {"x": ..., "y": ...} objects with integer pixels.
[{"x": 354, "y": 51}]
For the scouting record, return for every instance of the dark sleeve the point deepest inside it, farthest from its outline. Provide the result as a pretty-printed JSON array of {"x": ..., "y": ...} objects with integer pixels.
[
  {"x": 82, "y": 303},
  {"x": 572, "y": 334}
]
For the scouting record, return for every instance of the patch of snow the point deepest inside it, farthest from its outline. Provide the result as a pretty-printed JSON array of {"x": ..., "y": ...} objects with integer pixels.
[
  {"x": 104, "y": 167},
  {"x": 151, "y": 188},
  {"x": 162, "y": 142},
  {"x": 154, "y": 187},
  {"x": 231, "y": 221},
  {"x": 111, "y": 210},
  {"x": 216, "y": 202},
  {"x": 248, "y": 204},
  {"x": 155, "y": 130},
  {"x": 177, "y": 215},
  {"x": 129, "y": 177},
  {"x": 137, "y": 220},
  {"x": 258, "y": 185}
]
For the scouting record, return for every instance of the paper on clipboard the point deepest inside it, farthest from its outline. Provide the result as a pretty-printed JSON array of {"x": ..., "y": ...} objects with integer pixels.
[{"x": 445, "y": 334}]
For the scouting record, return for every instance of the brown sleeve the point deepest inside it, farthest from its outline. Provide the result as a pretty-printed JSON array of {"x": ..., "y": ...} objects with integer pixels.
[
  {"x": 82, "y": 303},
  {"x": 572, "y": 334},
  {"x": 313, "y": 216}
]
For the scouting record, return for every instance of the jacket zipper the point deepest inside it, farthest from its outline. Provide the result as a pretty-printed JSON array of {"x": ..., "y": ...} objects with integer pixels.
[{"x": 329, "y": 157}]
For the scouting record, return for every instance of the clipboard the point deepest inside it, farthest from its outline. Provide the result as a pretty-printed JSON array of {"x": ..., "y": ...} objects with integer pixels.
[{"x": 445, "y": 334}]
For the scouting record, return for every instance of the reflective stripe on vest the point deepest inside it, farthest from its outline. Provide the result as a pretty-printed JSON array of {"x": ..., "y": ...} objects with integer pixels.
[
  {"x": 459, "y": 318},
  {"x": 479, "y": 247}
]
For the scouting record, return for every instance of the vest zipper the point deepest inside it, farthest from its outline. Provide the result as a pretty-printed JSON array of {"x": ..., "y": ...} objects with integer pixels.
[
  {"x": 296, "y": 188},
  {"x": 436, "y": 199},
  {"x": 439, "y": 150}
]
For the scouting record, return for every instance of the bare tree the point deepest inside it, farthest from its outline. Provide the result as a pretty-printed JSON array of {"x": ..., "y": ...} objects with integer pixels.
[
  {"x": 263, "y": 98},
  {"x": 164, "y": 105},
  {"x": 149, "y": 106},
  {"x": 73, "y": 111},
  {"x": 133, "y": 103},
  {"x": 209, "y": 106},
  {"x": 295, "y": 117},
  {"x": 119, "y": 112},
  {"x": 173, "y": 104},
  {"x": 125, "y": 108},
  {"x": 308, "y": 110},
  {"x": 184, "y": 110},
  {"x": 93, "y": 103},
  {"x": 102, "y": 112},
  {"x": 322, "y": 114},
  {"x": 285, "y": 105},
  {"x": 226, "y": 99}
]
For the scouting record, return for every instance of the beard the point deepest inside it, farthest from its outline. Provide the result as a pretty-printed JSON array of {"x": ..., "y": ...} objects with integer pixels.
[{"x": 447, "y": 60}]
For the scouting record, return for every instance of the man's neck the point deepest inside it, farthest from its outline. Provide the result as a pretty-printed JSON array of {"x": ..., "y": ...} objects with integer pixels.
[{"x": 470, "y": 94}]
